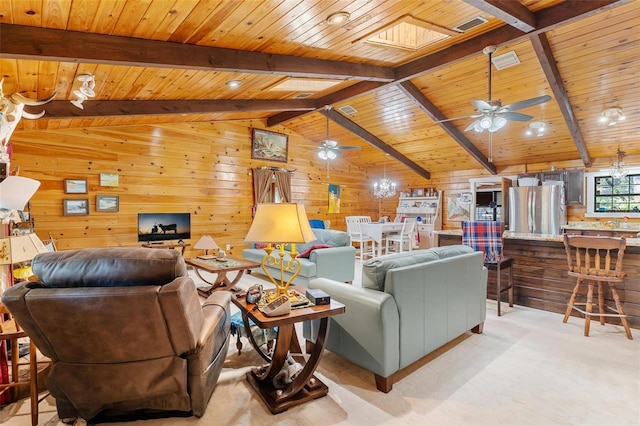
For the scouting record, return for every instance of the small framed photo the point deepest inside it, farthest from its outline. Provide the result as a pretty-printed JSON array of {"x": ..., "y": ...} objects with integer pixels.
[
  {"x": 107, "y": 203},
  {"x": 269, "y": 146},
  {"x": 417, "y": 192},
  {"x": 76, "y": 207},
  {"x": 108, "y": 179},
  {"x": 75, "y": 186}
]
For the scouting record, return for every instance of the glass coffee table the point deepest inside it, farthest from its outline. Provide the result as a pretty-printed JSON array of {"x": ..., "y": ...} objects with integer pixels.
[{"x": 219, "y": 267}]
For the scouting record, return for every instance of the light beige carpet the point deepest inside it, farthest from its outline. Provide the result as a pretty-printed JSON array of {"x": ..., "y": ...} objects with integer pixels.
[{"x": 527, "y": 368}]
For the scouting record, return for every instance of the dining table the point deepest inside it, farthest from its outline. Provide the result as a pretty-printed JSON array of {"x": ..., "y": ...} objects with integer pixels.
[{"x": 379, "y": 230}]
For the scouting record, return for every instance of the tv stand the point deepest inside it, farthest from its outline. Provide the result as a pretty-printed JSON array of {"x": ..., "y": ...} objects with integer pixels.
[{"x": 166, "y": 245}]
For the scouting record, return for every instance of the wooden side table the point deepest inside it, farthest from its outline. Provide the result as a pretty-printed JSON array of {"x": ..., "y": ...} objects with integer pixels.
[
  {"x": 305, "y": 387},
  {"x": 221, "y": 268}
]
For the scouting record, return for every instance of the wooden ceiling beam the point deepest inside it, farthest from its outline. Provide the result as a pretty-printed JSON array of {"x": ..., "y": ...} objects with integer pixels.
[
  {"x": 510, "y": 12},
  {"x": 366, "y": 136},
  {"x": 64, "y": 109},
  {"x": 547, "y": 61},
  {"x": 416, "y": 95},
  {"x": 46, "y": 44},
  {"x": 358, "y": 89}
]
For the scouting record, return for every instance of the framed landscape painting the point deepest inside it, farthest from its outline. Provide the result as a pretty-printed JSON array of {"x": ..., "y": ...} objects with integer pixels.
[
  {"x": 269, "y": 146},
  {"x": 107, "y": 203},
  {"x": 76, "y": 207},
  {"x": 75, "y": 186}
]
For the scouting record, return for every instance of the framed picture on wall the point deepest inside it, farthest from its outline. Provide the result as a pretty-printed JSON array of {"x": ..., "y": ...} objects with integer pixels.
[
  {"x": 75, "y": 186},
  {"x": 107, "y": 203},
  {"x": 108, "y": 179},
  {"x": 459, "y": 206},
  {"x": 76, "y": 207},
  {"x": 269, "y": 146}
]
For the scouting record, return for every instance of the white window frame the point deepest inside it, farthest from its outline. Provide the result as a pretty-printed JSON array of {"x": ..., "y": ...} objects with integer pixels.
[{"x": 591, "y": 183}]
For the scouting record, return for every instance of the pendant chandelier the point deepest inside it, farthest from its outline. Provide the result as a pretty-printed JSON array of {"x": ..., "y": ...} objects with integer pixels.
[
  {"x": 384, "y": 188},
  {"x": 619, "y": 170}
]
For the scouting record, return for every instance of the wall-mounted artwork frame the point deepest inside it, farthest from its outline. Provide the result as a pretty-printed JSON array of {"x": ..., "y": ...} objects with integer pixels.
[
  {"x": 76, "y": 207},
  {"x": 269, "y": 146},
  {"x": 107, "y": 203},
  {"x": 459, "y": 206},
  {"x": 108, "y": 179},
  {"x": 75, "y": 186}
]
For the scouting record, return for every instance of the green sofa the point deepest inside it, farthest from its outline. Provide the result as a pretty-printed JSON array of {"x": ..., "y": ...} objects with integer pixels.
[
  {"x": 336, "y": 262},
  {"x": 409, "y": 305}
]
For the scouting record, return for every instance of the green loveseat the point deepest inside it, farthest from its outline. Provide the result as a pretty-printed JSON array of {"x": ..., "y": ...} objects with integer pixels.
[
  {"x": 336, "y": 262},
  {"x": 409, "y": 305}
]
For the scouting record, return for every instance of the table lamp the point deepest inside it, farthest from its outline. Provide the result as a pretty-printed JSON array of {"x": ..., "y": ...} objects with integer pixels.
[
  {"x": 278, "y": 225},
  {"x": 206, "y": 243},
  {"x": 20, "y": 249}
]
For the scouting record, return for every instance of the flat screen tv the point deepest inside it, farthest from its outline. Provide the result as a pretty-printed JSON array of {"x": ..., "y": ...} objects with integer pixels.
[{"x": 163, "y": 226}]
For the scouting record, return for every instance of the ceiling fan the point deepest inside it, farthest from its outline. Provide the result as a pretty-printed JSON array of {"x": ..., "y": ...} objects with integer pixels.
[
  {"x": 492, "y": 115},
  {"x": 329, "y": 149}
]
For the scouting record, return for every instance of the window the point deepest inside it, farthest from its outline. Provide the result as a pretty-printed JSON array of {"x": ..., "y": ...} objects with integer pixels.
[{"x": 609, "y": 197}]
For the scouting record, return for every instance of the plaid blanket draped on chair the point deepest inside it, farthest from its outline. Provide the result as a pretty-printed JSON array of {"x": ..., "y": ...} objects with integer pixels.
[{"x": 485, "y": 236}]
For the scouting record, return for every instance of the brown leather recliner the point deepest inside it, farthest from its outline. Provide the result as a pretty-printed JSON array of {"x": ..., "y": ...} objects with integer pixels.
[{"x": 125, "y": 331}]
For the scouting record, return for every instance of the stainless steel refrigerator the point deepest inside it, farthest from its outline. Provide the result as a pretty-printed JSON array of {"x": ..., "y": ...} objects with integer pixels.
[{"x": 537, "y": 209}]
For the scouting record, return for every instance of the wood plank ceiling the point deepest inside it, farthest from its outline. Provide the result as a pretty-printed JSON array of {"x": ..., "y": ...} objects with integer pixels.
[{"x": 169, "y": 60}]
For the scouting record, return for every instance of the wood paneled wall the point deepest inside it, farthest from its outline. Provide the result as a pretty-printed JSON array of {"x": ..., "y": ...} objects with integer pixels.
[
  {"x": 201, "y": 168},
  {"x": 205, "y": 169}
]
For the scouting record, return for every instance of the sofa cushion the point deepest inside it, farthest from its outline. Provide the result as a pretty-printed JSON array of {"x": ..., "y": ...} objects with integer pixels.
[
  {"x": 374, "y": 270},
  {"x": 450, "y": 251},
  {"x": 332, "y": 237},
  {"x": 308, "y": 251}
]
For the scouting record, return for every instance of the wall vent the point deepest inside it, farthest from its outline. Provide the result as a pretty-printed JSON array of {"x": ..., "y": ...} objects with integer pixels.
[
  {"x": 475, "y": 22},
  {"x": 302, "y": 95},
  {"x": 506, "y": 60},
  {"x": 348, "y": 109}
]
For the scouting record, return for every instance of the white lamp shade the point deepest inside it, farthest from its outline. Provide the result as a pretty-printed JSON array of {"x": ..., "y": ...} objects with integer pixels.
[
  {"x": 206, "y": 243},
  {"x": 16, "y": 191},
  {"x": 280, "y": 223},
  {"x": 25, "y": 247}
]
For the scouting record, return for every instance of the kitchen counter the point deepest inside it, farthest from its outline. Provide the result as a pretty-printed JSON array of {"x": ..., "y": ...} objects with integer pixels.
[
  {"x": 540, "y": 273},
  {"x": 508, "y": 235}
]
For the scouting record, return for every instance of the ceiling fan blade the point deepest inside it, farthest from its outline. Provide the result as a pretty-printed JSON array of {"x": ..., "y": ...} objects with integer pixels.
[
  {"x": 526, "y": 103},
  {"x": 458, "y": 118},
  {"x": 482, "y": 105},
  {"x": 349, "y": 147},
  {"x": 514, "y": 116},
  {"x": 471, "y": 126}
]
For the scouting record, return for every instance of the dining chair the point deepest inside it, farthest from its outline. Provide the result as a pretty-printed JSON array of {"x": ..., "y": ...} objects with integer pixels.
[
  {"x": 365, "y": 244},
  {"x": 398, "y": 240},
  {"x": 596, "y": 260},
  {"x": 487, "y": 237}
]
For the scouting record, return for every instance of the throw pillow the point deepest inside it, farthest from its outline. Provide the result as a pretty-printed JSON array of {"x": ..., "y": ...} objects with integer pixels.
[{"x": 308, "y": 251}]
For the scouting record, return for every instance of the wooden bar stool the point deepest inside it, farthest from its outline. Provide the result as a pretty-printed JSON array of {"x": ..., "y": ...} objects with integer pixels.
[{"x": 590, "y": 259}]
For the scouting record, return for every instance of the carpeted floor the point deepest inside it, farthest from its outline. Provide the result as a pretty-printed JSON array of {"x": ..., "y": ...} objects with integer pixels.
[{"x": 527, "y": 368}]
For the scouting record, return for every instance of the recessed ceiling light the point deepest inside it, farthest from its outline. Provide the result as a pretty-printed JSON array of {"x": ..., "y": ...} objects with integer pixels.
[
  {"x": 539, "y": 127},
  {"x": 611, "y": 116},
  {"x": 338, "y": 18},
  {"x": 233, "y": 84}
]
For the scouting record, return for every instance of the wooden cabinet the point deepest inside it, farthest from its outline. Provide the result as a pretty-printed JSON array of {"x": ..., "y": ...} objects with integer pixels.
[
  {"x": 574, "y": 187},
  {"x": 573, "y": 184},
  {"x": 428, "y": 211}
]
